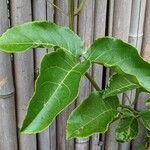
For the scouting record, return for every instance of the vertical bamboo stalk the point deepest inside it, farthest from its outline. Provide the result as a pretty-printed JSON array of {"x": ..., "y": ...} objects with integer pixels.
[
  {"x": 135, "y": 38},
  {"x": 120, "y": 29},
  {"x": 50, "y": 10},
  {"x": 146, "y": 37},
  {"x": 99, "y": 31},
  {"x": 137, "y": 22},
  {"x": 138, "y": 41},
  {"x": 62, "y": 143},
  {"x": 52, "y": 128},
  {"x": 85, "y": 30},
  {"x": 121, "y": 19},
  {"x": 109, "y": 28},
  {"x": 39, "y": 13},
  {"x": 8, "y": 136},
  {"x": 110, "y": 16},
  {"x": 24, "y": 74}
]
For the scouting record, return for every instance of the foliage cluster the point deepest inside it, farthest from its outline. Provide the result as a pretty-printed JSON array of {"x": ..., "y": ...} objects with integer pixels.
[{"x": 60, "y": 73}]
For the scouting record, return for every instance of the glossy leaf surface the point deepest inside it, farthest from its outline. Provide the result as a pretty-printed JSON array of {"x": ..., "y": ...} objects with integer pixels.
[
  {"x": 40, "y": 34},
  {"x": 93, "y": 116},
  {"x": 121, "y": 56},
  {"x": 119, "y": 83},
  {"x": 56, "y": 87}
]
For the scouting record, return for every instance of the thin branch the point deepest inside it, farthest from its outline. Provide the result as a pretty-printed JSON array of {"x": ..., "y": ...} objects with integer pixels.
[
  {"x": 71, "y": 26},
  {"x": 71, "y": 14},
  {"x": 77, "y": 11},
  {"x": 130, "y": 108},
  {"x": 95, "y": 85},
  {"x": 58, "y": 8}
]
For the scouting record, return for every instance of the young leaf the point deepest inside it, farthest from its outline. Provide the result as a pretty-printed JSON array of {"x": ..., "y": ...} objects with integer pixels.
[
  {"x": 119, "y": 83},
  {"x": 92, "y": 116},
  {"x": 145, "y": 117},
  {"x": 121, "y": 56},
  {"x": 127, "y": 129},
  {"x": 56, "y": 87},
  {"x": 40, "y": 34}
]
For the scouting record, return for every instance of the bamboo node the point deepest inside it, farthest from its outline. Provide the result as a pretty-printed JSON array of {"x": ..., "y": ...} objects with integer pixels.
[
  {"x": 7, "y": 95},
  {"x": 136, "y": 35}
]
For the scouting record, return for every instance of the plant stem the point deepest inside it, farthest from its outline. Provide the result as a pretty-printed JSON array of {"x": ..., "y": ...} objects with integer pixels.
[
  {"x": 130, "y": 108},
  {"x": 71, "y": 14},
  {"x": 77, "y": 11},
  {"x": 57, "y": 7},
  {"x": 92, "y": 81},
  {"x": 71, "y": 26}
]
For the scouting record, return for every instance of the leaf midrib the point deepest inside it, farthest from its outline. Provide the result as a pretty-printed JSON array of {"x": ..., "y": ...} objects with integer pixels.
[
  {"x": 96, "y": 118},
  {"x": 46, "y": 104}
]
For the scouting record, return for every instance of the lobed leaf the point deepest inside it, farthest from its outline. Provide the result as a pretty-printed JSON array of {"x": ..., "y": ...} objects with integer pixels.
[
  {"x": 56, "y": 87},
  {"x": 121, "y": 56},
  {"x": 40, "y": 34},
  {"x": 93, "y": 116},
  {"x": 119, "y": 83},
  {"x": 127, "y": 129}
]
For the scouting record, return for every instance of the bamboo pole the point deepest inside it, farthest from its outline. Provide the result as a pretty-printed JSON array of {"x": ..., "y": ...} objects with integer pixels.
[
  {"x": 50, "y": 10},
  {"x": 120, "y": 29},
  {"x": 85, "y": 30},
  {"x": 137, "y": 21},
  {"x": 52, "y": 129},
  {"x": 62, "y": 143},
  {"x": 140, "y": 105},
  {"x": 110, "y": 17},
  {"x": 24, "y": 74},
  {"x": 135, "y": 38},
  {"x": 109, "y": 28},
  {"x": 99, "y": 31},
  {"x": 8, "y": 136},
  {"x": 146, "y": 37},
  {"x": 39, "y": 13}
]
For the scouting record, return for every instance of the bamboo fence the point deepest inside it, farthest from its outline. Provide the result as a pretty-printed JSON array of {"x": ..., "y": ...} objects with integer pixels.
[{"x": 126, "y": 19}]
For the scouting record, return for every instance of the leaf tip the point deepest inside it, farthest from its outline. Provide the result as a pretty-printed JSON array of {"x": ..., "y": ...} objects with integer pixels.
[
  {"x": 23, "y": 130},
  {"x": 26, "y": 131}
]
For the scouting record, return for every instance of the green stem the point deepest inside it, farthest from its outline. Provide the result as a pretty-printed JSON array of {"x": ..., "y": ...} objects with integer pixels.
[
  {"x": 57, "y": 7},
  {"x": 77, "y": 11},
  {"x": 92, "y": 81},
  {"x": 71, "y": 26},
  {"x": 130, "y": 108},
  {"x": 71, "y": 14}
]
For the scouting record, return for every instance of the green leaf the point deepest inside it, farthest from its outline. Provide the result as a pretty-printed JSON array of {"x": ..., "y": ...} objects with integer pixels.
[
  {"x": 141, "y": 147},
  {"x": 127, "y": 129},
  {"x": 148, "y": 101},
  {"x": 93, "y": 116},
  {"x": 145, "y": 117},
  {"x": 119, "y": 83},
  {"x": 56, "y": 87},
  {"x": 147, "y": 136},
  {"x": 121, "y": 56},
  {"x": 40, "y": 34}
]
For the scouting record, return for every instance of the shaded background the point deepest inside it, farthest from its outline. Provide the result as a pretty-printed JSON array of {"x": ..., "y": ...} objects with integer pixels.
[{"x": 126, "y": 19}]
